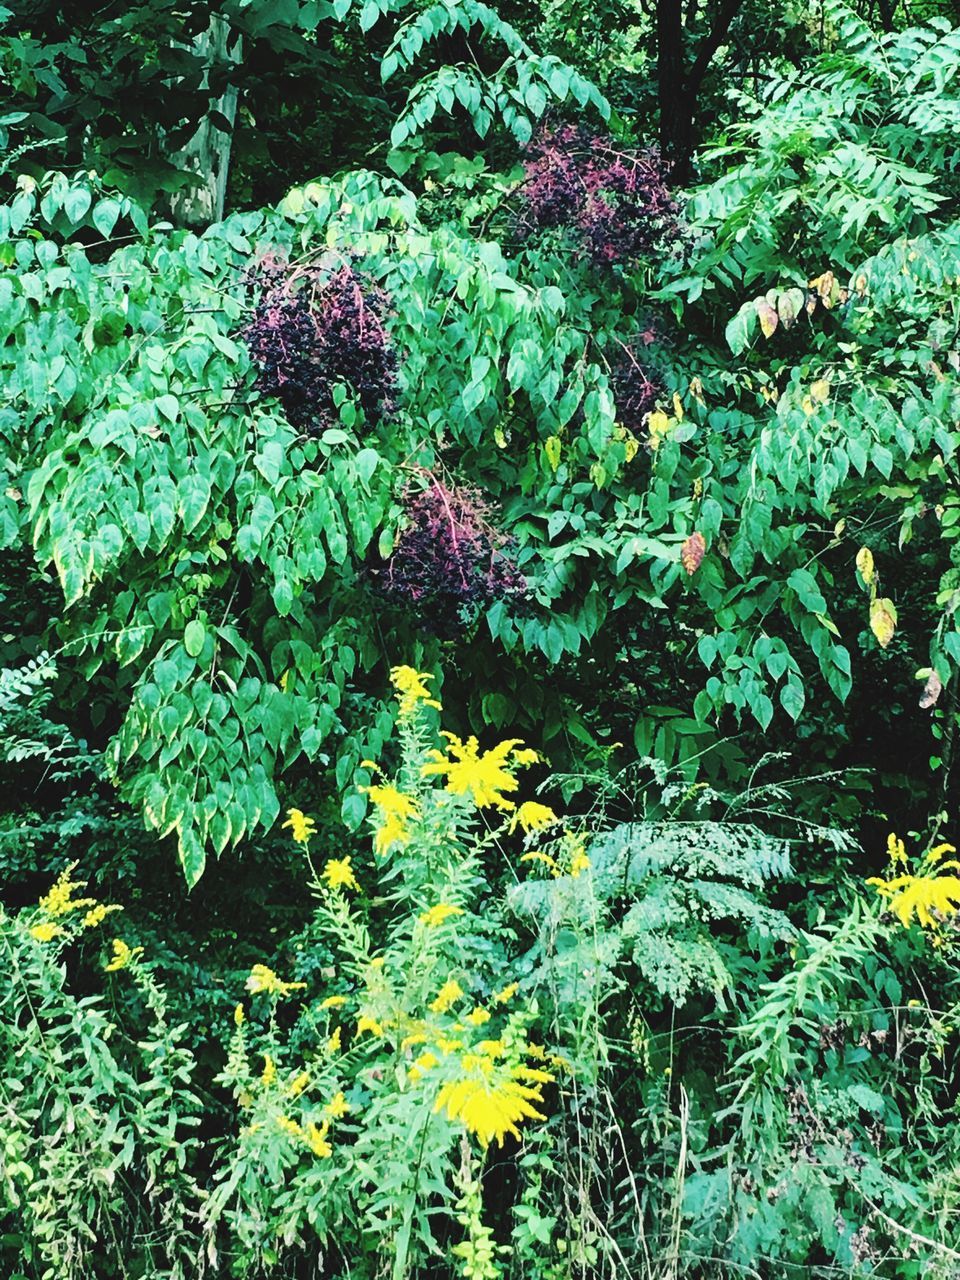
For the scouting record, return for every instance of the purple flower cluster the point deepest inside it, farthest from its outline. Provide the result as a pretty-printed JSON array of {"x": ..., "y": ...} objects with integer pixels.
[
  {"x": 450, "y": 562},
  {"x": 616, "y": 200},
  {"x": 313, "y": 328}
]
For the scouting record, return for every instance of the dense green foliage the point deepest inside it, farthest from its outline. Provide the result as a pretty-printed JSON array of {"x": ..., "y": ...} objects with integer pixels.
[{"x": 339, "y": 337}]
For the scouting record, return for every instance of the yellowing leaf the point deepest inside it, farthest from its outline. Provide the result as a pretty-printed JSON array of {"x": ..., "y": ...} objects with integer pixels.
[
  {"x": 820, "y": 391},
  {"x": 658, "y": 424},
  {"x": 767, "y": 316},
  {"x": 865, "y": 565},
  {"x": 552, "y": 450},
  {"x": 677, "y": 407},
  {"x": 883, "y": 620}
]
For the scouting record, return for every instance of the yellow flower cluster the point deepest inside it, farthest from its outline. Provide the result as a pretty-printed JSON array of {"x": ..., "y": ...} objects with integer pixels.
[
  {"x": 436, "y": 915},
  {"x": 396, "y": 811},
  {"x": 265, "y": 981},
  {"x": 490, "y": 1098},
  {"x": 411, "y": 686},
  {"x": 315, "y": 1136},
  {"x": 447, "y": 996},
  {"x": 60, "y": 900},
  {"x": 338, "y": 874},
  {"x": 484, "y": 776},
  {"x": 932, "y": 896},
  {"x": 123, "y": 956},
  {"x": 533, "y": 817},
  {"x": 301, "y": 827},
  {"x": 572, "y": 859}
]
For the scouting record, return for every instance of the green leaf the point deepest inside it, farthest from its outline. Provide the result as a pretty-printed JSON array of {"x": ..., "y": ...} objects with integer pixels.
[
  {"x": 194, "y": 635},
  {"x": 105, "y": 215}
]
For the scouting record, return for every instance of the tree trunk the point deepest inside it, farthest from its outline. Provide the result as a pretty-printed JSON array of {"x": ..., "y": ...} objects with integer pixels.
[
  {"x": 675, "y": 116},
  {"x": 208, "y": 151}
]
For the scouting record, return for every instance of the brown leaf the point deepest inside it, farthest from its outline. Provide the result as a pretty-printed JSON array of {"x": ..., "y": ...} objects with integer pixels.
[
  {"x": 931, "y": 691},
  {"x": 692, "y": 553}
]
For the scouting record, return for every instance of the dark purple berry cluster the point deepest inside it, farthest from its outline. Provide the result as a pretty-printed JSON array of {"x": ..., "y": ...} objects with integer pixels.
[
  {"x": 635, "y": 385},
  {"x": 449, "y": 563},
  {"x": 616, "y": 200},
  {"x": 314, "y": 327}
]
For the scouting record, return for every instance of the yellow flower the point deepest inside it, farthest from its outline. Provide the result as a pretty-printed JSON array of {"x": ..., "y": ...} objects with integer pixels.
[
  {"x": 288, "y": 1126},
  {"x": 337, "y": 1106},
  {"x": 301, "y": 827},
  {"x": 269, "y": 1073},
  {"x": 491, "y": 1048},
  {"x": 490, "y": 1105},
  {"x": 59, "y": 901},
  {"x": 448, "y": 995},
  {"x": 333, "y": 1002},
  {"x": 317, "y": 1140},
  {"x": 895, "y": 850},
  {"x": 335, "y": 1043},
  {"x": 483, "y": 777},
  {"x": 366, "y": 1023},
  {"x": 262, "y": 979},
  {"x": 239, "y": 1015},
  {"x": 96, "y": 915},
  {"x": 579, "y": 861},
  {"x": 448, "y": 1046},
  {"x": 396, "y": 809},
  {"x": 537, "y": 856},
  {"x": 937, "y": 853},
  {"x": 533, "y": 817},
  {"x": 920, "y": 896},
  {"x": 525, "y": 756},
  {"x": 477, "y": 1017},
  {"x": 46, "y": 931},
  {"x": 339, "y": 874},
  {"x": 298, "y": 1084},
  {"x": 508, "y": 992},
  {"x": 123, "y": 956},
  {"x": 412, "y": 688},
  {"x": 437, "y": 914},
  {"x": 426, "y": 1062}
]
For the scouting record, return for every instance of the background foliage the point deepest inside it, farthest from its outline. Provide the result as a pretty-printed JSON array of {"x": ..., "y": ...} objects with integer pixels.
[{"x": 342, "y": 336}]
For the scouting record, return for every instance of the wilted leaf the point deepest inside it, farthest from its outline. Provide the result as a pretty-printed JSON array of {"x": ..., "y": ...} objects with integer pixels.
[
  {"x": 865, "y": 565},
  {"x": 692, "y": 553},
  {"x": 767, "y": 316},
  {"x": 789, "y": 305},
  {"x": 883, "y": 620},
  {"x": 931, "y": 691},
  {"x": 825, "y": 287}
]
